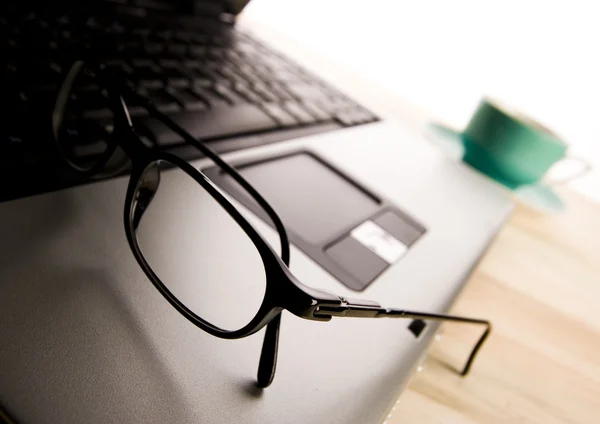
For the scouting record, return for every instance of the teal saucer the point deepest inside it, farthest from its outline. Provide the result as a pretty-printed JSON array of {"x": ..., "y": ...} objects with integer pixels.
[{"x": 539, "y": 196}]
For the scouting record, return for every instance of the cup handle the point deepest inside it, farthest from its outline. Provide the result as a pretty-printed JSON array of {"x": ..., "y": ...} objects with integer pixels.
[{"x": 585, "y": 168}]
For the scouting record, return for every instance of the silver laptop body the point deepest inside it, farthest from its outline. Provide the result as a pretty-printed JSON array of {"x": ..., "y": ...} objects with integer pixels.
[{"x": 85, "y": 337}]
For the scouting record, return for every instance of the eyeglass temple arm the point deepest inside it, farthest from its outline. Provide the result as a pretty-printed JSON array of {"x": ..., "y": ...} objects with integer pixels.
[{"x": 368, "y": 309}]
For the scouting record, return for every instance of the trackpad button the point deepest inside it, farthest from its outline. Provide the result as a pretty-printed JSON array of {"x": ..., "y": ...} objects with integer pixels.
[{"x": 362, "y": 265}]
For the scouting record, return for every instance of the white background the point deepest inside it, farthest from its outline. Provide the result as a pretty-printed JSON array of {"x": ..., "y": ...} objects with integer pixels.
[{"x": 542, "y": 57}]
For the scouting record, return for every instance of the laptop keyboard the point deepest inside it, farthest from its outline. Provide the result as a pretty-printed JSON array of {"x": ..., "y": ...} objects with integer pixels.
[{"x": 217, "y": 82}]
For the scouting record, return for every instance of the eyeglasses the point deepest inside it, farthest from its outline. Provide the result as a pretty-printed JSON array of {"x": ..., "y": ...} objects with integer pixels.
[{"x": 216, "y": 269}]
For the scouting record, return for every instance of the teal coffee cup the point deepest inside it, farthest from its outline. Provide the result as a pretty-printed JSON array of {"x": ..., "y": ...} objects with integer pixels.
[{"x": 511, "y": 148}]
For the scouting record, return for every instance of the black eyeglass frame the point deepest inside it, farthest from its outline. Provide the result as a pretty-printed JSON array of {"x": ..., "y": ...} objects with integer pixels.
[{"x": 283, "y": 290}]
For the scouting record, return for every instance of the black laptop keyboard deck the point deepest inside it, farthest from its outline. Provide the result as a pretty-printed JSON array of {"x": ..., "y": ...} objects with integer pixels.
[{"x": 217, "y": 82}]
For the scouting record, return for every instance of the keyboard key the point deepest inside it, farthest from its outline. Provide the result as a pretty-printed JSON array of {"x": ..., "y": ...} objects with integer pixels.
[
  {"x": 140, "y": 32},
  {"x": 103, "y": 113},
  {"x": 221, "y": 39},
  {"x": 92, "y": 149},
  {"x": 248, "y": 74},
  {"x": 335, "y": 103},
  {"x": 153, "y": 83},
  {"x": 172, "y": 72},
  {"x": 160, "y": 99},
  {"x": 260, "y": 69},
  {"x": 210, "y": 71},
  {"x": 201, "y": 82},
  {"x": 265, "y": 92},
  {"x": 177, "y": 49},
  {"x": 346, "y": 117},
  {"x": 199, "y": 38},
  {"x": 213, "y": 123},
  {"x": 161, "y": 36},
  {"x": 282, "y": 117},
  {"x": 176, "y": 78},
  {"x": 9, "y": 71},
  {"x": 198, "y": 51},
  {"x": 135, "y": 110},
  {"x": 299, "y": 112},
  {"x": 142, "y": 63},
  {"x": 245, "y": 48},
  {"x": 246, "y": 92},
  {"x": 231, "y": 75},
  {"x": 127, "y": 49},
  {"x": 228, "y": 94},
  {"x": 148, "y": 75},
  {"x": 316, "y": 111},
  {"x": 354, "y": 116},
  {"x": 118, "y": 65},
  {"x": 187, "y": 99},
  {"x": 170, "y": 63},
  {"x": 280, "y": 92},
  {"x": 302, "y": 90},
  {"x": 216, "y": 53},
  {"x": 153, "y": 48},
  {"x": 183, "y": 37},
  {"x": 210, "y": 97},
  {"x": 284, "y": 76},
  {"x": 83, "y": 137},
  {"x": 192, "y": 64}
]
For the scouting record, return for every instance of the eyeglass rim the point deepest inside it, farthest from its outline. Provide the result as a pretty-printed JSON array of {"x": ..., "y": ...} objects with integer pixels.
[{"x": 281, "y": 291}]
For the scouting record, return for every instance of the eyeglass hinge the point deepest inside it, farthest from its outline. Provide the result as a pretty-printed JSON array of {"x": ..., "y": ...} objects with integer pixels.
[{"x": 349, "y": 308}]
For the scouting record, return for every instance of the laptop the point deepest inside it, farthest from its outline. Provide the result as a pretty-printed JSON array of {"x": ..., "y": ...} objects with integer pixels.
[{"x": 87, "y": 338}]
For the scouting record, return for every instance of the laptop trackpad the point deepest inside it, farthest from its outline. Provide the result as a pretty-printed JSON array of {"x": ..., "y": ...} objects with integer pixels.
[{"x": 351, "y": 232}]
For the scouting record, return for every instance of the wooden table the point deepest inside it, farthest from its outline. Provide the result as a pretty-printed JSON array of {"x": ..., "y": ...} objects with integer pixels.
[{"x": 540, "y": 286}]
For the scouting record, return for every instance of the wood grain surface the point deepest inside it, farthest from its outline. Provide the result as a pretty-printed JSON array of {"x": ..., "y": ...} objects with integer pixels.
[{"x": 540, "y": 286}]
